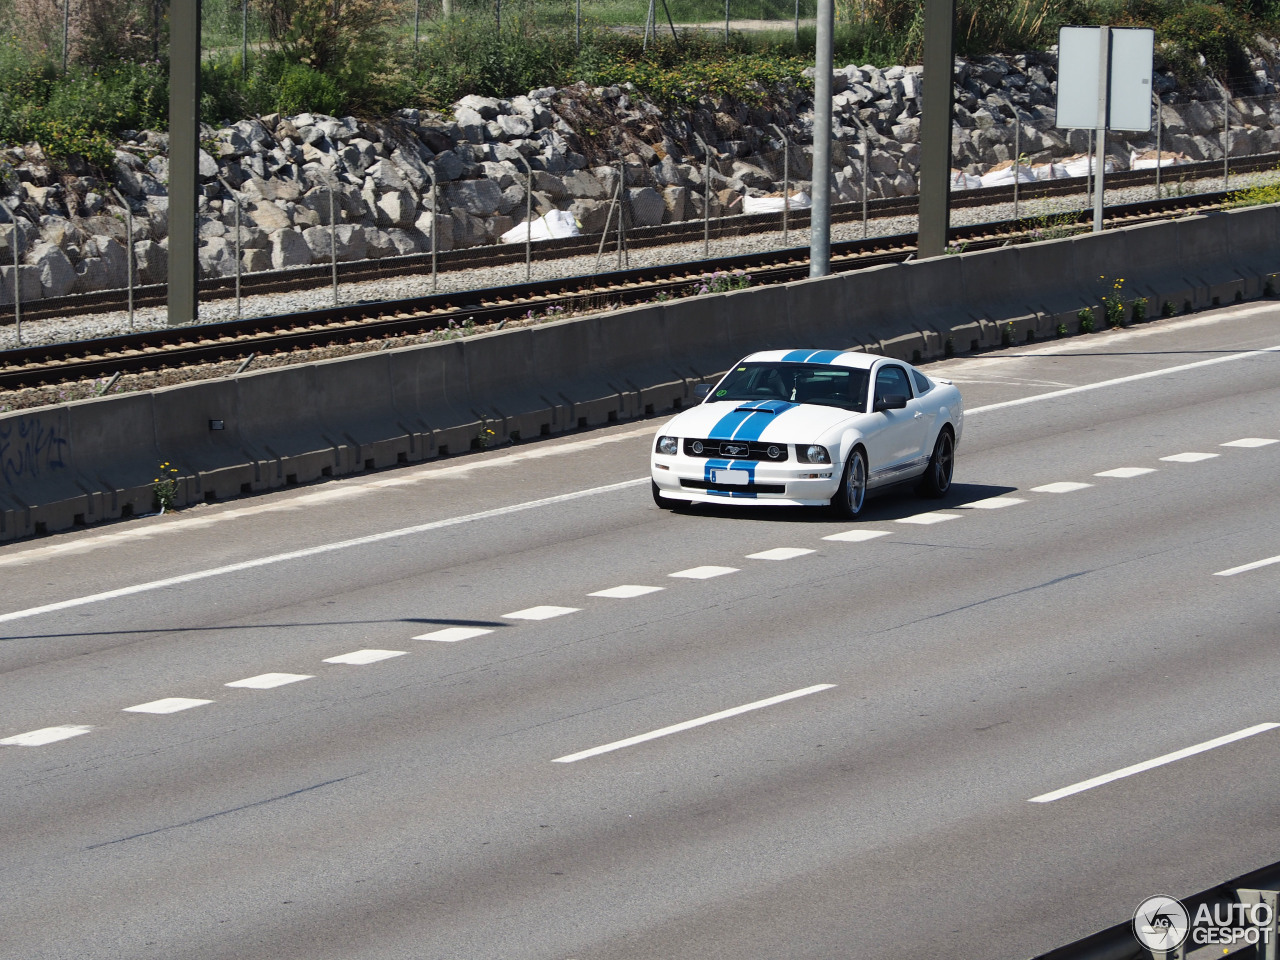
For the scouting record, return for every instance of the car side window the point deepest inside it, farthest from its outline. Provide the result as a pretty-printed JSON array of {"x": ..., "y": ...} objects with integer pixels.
[
  {"x": 892, "y": 381},
  {"x": 923, "y": 383}
]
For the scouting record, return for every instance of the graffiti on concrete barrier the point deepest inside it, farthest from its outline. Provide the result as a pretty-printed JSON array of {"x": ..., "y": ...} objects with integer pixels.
[{"x": 30, "y": 447}]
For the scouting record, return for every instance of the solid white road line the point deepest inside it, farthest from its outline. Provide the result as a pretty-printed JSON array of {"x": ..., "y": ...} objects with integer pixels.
[
  {"x": 38, "y": 738},
  {"x": 780, "y": 553},
  {"x": 1151, "y": 764},
  {"x": 1117, "y": 381},
  {"x": 690, "y": 724},
  {"x": 927, "y": 518},
  {"x": 991, "y": 503},
  {"x": 265, "y": 681},
  {"x": 1245, "y": 568},
  {"x": 167, "y": 705},
  {"x": 1189, "y": 457},
  {"x": 703, "y": 573},
  {"x": 361, "y": 657},
  {"x": 318, "y": 550},
  {"x": 1124, "y": 473},
  {"x": 540, "y": 613},
  {"x": 1250, "y": 442},
  {"x": 1062, "y": 486},
  {"x": 453, "y": 634},
  {"x": 626, "y": 591},
  {"x": 857, "y": 536}
]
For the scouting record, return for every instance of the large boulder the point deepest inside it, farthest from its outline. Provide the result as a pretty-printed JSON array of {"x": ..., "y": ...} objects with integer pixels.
[
  {"x": 289, "y": 249},
  {"x": 647, "y": 206},
  {"x": 443, "y": 231},
  {"x": 151, "y": 262},
  {"x": 477, "y": 197},
  {"x": 104, "y": 266},
  {"x": 347, "y": 241}
]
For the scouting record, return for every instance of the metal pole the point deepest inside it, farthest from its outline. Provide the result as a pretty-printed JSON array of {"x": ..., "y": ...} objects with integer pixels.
[
  {"x": 1017, "y": 158},
  {"x": 128, "y": 226},
  {"x": 866, "y": 163},
  {"x": 333, "y": 245},
  {"x": 786, "y": 178},
  {"x": 417, "y": 13},
  {"x": 239, "y": 261},
  {"x": 604, "y": 234},
  {"x": 1104, "y": 83},
  {"x": 244, "y": 41},
  {"x": 935, "y": 128},
  {"x": 706, "y": 198},
  {"x": 1226, "y": 139},
  {"x": 820, "y": 215},
  {"x": 622, "y": 183},
  {"x": 1159, "y": 154},
  {"x": 726, "y": 21},
  {"x": 434, "y": 229},
  {"x": 528, "y": 219},
  {"x": 17, "y": 285},
  {"x": 184, "y": 145},
  {"x": 650, "y": 21},
  {"x": 797, "y": 23}
]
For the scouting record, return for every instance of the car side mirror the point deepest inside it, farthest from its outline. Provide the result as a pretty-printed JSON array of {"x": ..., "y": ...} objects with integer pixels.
[
  {"x": 893, "y": 401},
  {"x": 702, "y": 390}
]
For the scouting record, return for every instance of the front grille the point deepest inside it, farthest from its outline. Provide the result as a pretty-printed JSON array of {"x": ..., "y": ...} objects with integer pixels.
[
  {"x": 735, "y": 450},
  {"x": 734, "y": 487}
]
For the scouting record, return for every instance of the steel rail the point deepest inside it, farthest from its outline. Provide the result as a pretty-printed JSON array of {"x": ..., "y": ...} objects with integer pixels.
[
  {"x": 379, "y": 320},
  {"x": 474, "y": 258}
]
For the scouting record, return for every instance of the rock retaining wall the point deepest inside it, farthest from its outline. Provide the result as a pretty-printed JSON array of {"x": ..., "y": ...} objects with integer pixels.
[{"x": 292, "y": 177}]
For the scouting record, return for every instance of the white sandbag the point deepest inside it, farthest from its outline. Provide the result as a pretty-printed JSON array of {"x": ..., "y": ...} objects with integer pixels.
[
  {"x": 552, "y": 225},
  {"x": 1148, "y": 160},
  {"x": 799, "y": 201},
  {"x": 1048, "y": 171},
  {"x": 1080, "y": 165},
  {"x": 964, "y": 181},
  {"x": 1002, "y": 174}
]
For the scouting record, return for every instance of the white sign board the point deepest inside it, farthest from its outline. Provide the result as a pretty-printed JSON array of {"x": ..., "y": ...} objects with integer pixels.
[{"x": 1079, "y": 72}]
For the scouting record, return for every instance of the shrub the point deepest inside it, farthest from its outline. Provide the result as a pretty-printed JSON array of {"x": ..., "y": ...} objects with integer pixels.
[{"x": 304, "y": 88}]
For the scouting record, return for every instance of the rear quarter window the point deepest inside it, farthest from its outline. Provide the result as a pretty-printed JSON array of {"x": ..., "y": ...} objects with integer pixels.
[{"x": 923, "y": 383}]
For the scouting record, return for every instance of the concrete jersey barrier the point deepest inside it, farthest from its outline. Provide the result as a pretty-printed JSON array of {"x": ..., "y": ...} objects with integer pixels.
[{"x": 95, "y": 460}]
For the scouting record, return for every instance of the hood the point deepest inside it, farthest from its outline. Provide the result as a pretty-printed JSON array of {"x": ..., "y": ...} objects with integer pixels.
[{"x": 769, "y": 421}]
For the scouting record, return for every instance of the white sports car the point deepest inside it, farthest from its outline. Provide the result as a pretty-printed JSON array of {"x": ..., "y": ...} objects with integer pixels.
[{"x": 810, "y": 428}]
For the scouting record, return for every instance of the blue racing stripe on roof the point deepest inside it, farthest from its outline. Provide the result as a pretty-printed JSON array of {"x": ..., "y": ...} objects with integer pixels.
[
  {"x": 796, "y": 356},
  {"x": 810, "y": 356}
]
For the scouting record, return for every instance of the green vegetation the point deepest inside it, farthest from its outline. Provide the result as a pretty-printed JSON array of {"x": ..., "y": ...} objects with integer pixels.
[
  {"x": 1254, "y": 196},
  {"x": 359, "y": 56}
]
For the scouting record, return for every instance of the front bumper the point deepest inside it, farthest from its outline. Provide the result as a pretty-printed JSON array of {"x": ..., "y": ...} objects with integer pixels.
[{"x": 744, "y": 481}]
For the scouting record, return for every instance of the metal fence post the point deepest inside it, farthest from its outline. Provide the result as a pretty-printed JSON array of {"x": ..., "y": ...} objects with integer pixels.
[
  {"x": 434, "y": 227},
  {"x": 726, "y": 21},
  {"x": 706, "y": 197},
  {"x": 786, "y": 178},
  {"x": 866, "y": 163},
  {"x": 239, "y": 259},
  {"x": 128, "y": 226},
  {"x": 622, "y": 208},
  {"x": 528, "y": 219},
  {"x": 1017, "y": 157},
  {"x": 333, "y": 243},
  {"x": 17, "y": 283},
  {"x": 1159, "y": 131},
  {"x": 1226, "y": 139}
]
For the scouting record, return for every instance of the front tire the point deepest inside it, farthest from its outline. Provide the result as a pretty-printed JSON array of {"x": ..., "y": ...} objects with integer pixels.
[
  {"x": 849, "y": 499},
  {"x": 664, "y": 503},
  {"x": 937, "y": 476}
]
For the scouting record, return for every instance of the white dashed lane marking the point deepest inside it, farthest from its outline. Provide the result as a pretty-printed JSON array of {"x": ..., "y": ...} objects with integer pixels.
[
  {"x": 703, "y": 573},
  {"x": 856, "y": 536},
  {"x": 540, "y": 613},
  {"x": 167, "y": 705},
  {"x": 1124, "y": 473},
  {"x": 38, "y": 738},
  {"x": 1062, "y": 486},
  {"x": 1189, "y": 457},
  {"x": 625, "y": 592},
  {"x": 359, "y": 658},
  {"x": 780, "y": 553},
  {"x": 453, "y": 634},
  {"x": 1246, "y": 567},
  {"x": 927, "y": 518},
  {"x": 991, "y": 503},
  {"x": 1250, "y": 442},
  {"x": 266, "y": 681}
]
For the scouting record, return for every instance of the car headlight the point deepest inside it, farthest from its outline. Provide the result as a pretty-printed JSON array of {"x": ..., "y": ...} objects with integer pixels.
[
  {"x": 813, "y": 453},
  {"x": 668, "y": 446}
]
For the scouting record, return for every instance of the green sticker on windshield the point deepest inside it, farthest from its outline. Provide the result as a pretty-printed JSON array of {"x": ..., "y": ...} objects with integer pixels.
[
  {"x": 721, "y": 393},
  {"x": 740, "y": 369}
]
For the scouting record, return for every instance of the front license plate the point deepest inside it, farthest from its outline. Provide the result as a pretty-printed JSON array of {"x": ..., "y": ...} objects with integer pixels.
[{"x": 730, "y": 477}]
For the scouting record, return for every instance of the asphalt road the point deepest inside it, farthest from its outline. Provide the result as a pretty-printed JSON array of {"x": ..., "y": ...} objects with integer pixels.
[{"x": 823, "y": 740}]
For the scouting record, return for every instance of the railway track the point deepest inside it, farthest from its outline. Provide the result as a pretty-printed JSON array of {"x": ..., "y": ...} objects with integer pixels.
[
  {"x": 169, "y": 348},
  {"x": 688, "y": 231}
]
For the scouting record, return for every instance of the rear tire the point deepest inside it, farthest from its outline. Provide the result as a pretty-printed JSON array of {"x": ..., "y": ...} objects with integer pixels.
[
  {"x": 937, "y": 476},
  {"x": 849, "y": 499},
  {"x": 664, "y": 503}
]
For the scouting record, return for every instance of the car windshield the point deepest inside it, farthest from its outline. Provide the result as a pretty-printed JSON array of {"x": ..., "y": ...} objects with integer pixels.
[{"x": 844, "y": 387}]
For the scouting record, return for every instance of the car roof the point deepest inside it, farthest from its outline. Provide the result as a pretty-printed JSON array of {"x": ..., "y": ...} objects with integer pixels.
[{"x": 838, "y": 358}]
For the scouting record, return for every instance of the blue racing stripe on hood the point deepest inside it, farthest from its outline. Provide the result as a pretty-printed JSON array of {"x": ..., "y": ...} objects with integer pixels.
[{"x": 748, "y": 420}]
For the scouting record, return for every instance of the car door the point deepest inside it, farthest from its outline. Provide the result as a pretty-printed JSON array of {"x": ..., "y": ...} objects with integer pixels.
[{"x": 899, "y": 433}]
